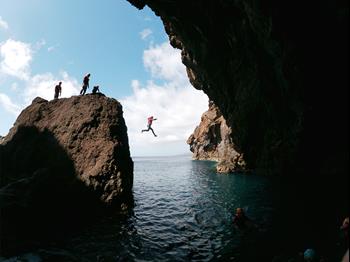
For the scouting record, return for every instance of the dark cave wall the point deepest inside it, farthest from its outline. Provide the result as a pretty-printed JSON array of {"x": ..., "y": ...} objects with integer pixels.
[{"x": 276, "y": 69}]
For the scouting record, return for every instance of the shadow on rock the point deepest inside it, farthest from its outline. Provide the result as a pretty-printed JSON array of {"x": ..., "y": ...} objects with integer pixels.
[{"x": 41, "y": 198}]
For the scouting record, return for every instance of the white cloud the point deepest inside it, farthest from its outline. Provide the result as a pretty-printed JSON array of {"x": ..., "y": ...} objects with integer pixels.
[
  {"x": 43, "y": 85},
  {"x": 15, "y": 61},
  {"x": 15, "y": 58},
  {"x": 3, "y": 24},
  {"x": 164, "y": 62},
  {"x": 8, "y": 105},
  {"x": 145, "y": 33},
  {"x": 176, "y": 105}
]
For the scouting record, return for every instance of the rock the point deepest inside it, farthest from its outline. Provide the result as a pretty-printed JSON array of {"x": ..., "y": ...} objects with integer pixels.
[
  {"x": 279, "y": 73},
  {"x": 229, "y": 165},
  {"x": 211, "y": 140},
  {"x": 269, "y": 75},
  {"x": 63, "y": 162}
]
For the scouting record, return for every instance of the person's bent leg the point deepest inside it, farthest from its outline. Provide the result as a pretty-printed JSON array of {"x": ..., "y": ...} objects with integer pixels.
[
  {"x": 152, "y": 131},
  {"x": 146, "y": 130}
]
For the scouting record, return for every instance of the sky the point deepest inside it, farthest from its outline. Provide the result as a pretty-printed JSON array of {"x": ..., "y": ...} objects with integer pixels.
[{"x": 126, "y": 51}]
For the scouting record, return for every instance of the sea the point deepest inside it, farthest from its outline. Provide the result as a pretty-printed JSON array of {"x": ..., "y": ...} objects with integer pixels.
[{"x": 183, "y": 211}]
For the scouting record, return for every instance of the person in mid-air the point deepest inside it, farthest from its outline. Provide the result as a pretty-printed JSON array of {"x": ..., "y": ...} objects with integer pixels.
[
  {"x": 58, "y": 90},
  {"x": 85, "y": 84},
  {"x": 149, "y": 124}
]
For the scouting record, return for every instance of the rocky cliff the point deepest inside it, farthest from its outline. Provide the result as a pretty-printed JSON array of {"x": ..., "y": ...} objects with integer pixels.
[
  {"x": 279, "y": 73},
  {"x": 212, "y": 140},
  {"x": 63, "y": 162},
  {"x": 269, "y": 67}
]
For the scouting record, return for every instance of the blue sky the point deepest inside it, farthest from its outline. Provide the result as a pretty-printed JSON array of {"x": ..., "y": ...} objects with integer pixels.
[{"x": 125, "y": 50}]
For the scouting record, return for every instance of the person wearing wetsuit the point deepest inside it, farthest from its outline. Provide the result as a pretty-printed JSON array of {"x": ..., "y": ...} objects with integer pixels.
[
  {"x": 96, "y": 89},
  {"x": 85, "y": 84},
  {"x": 149, "y": 124},
  {"x": 241, "y": 220},
  {"x": 58, "y": 90}
]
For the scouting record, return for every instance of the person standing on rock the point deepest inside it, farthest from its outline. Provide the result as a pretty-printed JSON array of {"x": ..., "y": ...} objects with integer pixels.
[
  {"x": 85, "y": 84},
  {"x": 58, "y": 90},
  {"x": 149, "y": 124}
]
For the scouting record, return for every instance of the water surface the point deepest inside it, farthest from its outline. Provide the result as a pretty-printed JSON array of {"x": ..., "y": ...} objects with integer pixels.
[{"x": 183, "y": 212}]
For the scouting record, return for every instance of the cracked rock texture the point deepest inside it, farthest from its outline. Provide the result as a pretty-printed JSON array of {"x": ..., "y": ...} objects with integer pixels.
[{"x": 211, "y": 140}]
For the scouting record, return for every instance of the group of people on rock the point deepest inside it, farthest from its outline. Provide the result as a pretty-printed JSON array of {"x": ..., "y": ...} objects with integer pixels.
[
  {"x": 85, "y": 86},
  {"x": 95, "y": 90}
]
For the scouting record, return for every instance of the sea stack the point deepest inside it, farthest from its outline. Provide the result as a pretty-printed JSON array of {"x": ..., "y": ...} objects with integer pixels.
[{"x": 61, "y": 162}]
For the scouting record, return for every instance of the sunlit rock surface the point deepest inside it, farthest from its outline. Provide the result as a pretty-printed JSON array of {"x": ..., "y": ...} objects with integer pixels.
[{"x": 211, "y": 140}]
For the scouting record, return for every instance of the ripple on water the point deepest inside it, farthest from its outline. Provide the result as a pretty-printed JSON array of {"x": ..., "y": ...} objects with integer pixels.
[{"x": 183, "y": 211}]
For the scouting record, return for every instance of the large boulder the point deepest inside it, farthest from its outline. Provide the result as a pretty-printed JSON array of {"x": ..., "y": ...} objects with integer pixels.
[
  {"x": 63, "y": 162},
  {"x": 211, "y": 140}
]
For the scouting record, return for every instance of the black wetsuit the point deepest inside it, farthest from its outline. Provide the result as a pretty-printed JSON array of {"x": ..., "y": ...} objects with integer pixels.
[{"x": 85, "y": 85}]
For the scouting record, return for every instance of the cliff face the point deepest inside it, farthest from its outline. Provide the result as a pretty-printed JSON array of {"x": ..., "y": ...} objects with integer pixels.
[
  {"x": 62, "y": 162},
  {"x": 278, "y": 72},
  {"x": 211, "y": 140},
  {"x": 269, "y": 67}
]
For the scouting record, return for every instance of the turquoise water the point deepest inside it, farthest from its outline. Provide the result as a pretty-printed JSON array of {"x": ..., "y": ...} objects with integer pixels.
[
  {"x": 184, "y": 209},
  {"x": 183, "y": 212}
]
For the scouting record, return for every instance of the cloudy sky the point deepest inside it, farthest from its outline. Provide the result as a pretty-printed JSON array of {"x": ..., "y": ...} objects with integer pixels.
[{"x": 125, "y": 50}]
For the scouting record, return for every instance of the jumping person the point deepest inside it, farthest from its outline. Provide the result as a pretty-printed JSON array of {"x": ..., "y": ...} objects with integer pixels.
[
  {"x": 149, "y": 124},
  {"x": 58, "y": 90},
  {"x": 85, "y": 84}
]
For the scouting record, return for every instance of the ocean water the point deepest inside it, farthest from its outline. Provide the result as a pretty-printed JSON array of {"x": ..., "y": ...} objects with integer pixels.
[{"x": 183, "y": 212}]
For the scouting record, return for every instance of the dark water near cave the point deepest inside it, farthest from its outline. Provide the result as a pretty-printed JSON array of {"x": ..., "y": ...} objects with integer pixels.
[{"x": 183, "y": 212}]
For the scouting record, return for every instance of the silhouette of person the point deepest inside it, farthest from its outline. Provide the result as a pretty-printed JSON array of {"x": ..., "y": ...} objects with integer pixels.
[
  {"x": 85, "y": 84},
  {"x": 345, "y": 228},
  {"x": 344, "y": 243},
  {"x": 96, "y": 89},
  {"x": 58, "y": 90},
  {"x": 149, "y": 124},
  {"x": 241, "y": 220}
]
